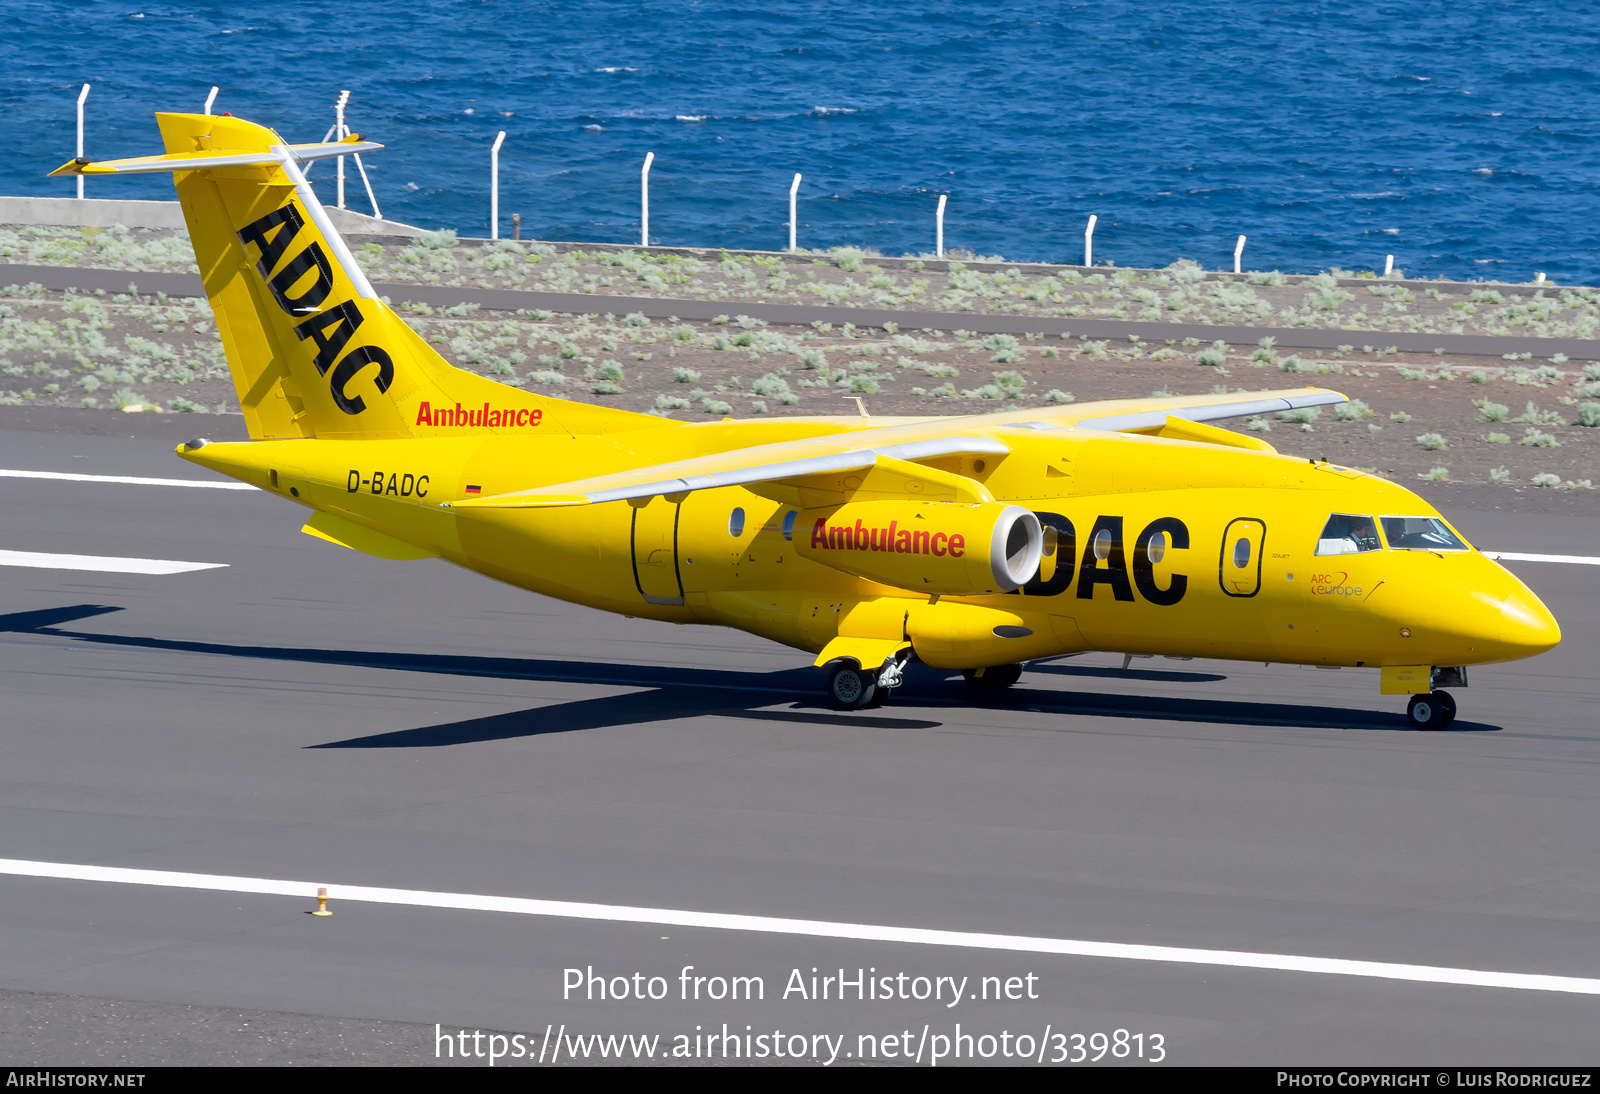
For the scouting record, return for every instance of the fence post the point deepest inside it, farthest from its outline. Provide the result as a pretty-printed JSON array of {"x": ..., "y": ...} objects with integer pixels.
[
  {"x": 494, "y": 186},
  {"x": 794, "y": 189},
  {"x": 338, "y": 135},
  {"x": 938, "y": 228},
  {"x": 1088, "y": 241},
  {"x": 211, "y": 98},
  {"x": 1238, "y": 255},
  {"x": 82, "y": 95},
  {"x": 644, "y": 199},
  {"x": 1388, "y": 265}
]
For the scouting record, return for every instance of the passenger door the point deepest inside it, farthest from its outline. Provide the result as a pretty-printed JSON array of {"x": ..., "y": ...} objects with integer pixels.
[
  {"x": 1239, "y": 567},
  {"x": 655, "y": 551}
]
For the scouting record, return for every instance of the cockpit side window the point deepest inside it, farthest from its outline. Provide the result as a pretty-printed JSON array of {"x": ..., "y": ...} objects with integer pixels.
[
  {"x": 1420, "y": 534},
  {"x": 1347, "y": 534}
]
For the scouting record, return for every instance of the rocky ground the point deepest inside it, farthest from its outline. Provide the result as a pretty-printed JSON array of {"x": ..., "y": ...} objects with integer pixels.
[
  {"x": 1521, "y": 422},
  {"x": 847, "y": 276}
]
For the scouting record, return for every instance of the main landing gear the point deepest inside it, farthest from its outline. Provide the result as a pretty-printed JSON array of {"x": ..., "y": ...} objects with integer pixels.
[
  {"x": 851, "y": 687},
  {"x": 1435, "y": 710}
]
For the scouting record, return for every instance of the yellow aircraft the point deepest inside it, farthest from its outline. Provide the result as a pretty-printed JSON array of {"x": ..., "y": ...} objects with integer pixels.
[{"x": 973, "y": 543}]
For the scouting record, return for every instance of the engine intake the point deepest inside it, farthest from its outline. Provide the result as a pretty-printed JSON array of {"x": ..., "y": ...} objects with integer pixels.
[{"x": 927, "y": 547}]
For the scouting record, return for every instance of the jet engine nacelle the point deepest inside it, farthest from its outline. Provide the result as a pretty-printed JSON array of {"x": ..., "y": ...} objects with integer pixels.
[{"x": 927, "y": 547}]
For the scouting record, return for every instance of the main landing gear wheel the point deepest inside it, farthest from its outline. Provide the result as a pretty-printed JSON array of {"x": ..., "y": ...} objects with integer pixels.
[
  {"x": 1436, "y": 710},
  {"x": 993, "y": 678},
  {"x": 851, "y": 688}
]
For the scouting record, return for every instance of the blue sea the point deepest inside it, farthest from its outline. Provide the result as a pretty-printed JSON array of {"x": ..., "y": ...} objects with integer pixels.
[{"x": 1460, "y": 136}]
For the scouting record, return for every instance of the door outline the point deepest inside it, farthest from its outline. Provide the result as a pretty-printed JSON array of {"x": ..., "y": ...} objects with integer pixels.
[
  {"x": 633, "y": 554},
  {"x": 1222, "y": 556}
]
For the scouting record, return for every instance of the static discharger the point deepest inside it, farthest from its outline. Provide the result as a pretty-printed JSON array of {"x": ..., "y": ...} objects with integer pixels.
[{"x": 322, "y": 902}]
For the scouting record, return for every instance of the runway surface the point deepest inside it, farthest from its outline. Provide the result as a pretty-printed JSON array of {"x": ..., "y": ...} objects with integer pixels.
[
  {"x": 512, "y": 300},
  {"x": 304, "y": 712}
]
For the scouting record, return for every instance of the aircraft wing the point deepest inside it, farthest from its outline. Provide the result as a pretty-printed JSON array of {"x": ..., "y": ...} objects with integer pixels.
[
  {"x": 788, "y": 460},
  {"x": 795, "y": 462},
  {"x": 1137, "y": 415}
]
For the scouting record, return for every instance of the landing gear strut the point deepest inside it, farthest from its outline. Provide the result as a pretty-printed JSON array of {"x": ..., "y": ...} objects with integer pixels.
[
  {"x": 1435, "y": 710},
  {"x": 993, "y": 678}
]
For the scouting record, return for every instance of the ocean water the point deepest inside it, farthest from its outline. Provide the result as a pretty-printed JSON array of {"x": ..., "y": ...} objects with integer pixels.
[{"x": 1461, "y": 137}]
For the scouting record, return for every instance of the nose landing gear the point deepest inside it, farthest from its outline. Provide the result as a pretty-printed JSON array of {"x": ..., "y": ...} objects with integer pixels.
[{"x": 1435, "y": 710}]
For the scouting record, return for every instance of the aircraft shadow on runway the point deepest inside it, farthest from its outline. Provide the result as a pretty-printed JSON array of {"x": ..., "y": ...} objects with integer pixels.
[{"x": 675, "y": 693}]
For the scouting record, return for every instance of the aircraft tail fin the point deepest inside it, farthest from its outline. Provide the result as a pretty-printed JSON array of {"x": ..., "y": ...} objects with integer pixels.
[{"x": 313, "y": 351}]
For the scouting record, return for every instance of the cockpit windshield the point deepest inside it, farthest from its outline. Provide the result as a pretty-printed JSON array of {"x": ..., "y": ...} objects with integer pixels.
[
  {"x": 1420, "y": 534},
  {"x": 1346, "y": 534}
]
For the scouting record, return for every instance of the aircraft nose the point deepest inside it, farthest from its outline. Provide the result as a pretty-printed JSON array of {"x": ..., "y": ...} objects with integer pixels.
[{"x": 1526, "y": 625}]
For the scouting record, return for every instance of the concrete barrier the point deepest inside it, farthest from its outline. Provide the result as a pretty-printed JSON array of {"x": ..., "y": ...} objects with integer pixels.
[{"x": 106, "y": 212}]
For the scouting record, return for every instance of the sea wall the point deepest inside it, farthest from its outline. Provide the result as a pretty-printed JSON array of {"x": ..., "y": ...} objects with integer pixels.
[{"x": 105, "y": 212}]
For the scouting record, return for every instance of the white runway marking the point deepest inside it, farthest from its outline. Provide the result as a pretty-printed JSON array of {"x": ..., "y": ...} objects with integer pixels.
[
  {"x": 125, "y": 480},
  {"x": 306, "y": 890},
  {"x": 104, "y": 564},
  {"x": 1509, "y": 556}
]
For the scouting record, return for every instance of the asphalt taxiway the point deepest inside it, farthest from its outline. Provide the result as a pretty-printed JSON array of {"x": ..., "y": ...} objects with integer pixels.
[{"x": 305, "y": 712}]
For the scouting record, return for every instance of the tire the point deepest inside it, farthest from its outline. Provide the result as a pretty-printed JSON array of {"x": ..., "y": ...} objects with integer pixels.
[
  {"x": 994, "y": 678},
  {"x": 1436, "y": 710},
  {"x": 850, "y": 688},
  {"x": 1448, "y": 703}
]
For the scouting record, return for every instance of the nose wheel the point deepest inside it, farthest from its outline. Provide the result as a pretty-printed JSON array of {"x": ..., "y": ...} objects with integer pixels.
[{"x": 1435, "y": 710}]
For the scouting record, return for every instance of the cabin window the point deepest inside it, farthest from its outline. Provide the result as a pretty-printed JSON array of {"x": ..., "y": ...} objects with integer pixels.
[
  {"x": 1346, "y": 534},
  {"x": 788, "y": 523},
  {"x": 1157, "y": 549},
  {"x": 1102, "y": 544},
  {"x": 736, "y": 523},
  {"x": 1241, "y": 553},
  {"x": 1420, "y": 534}
]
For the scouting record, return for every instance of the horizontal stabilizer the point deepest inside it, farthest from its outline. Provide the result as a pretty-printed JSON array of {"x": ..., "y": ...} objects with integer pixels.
[{"x": 195, "y": 161}]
